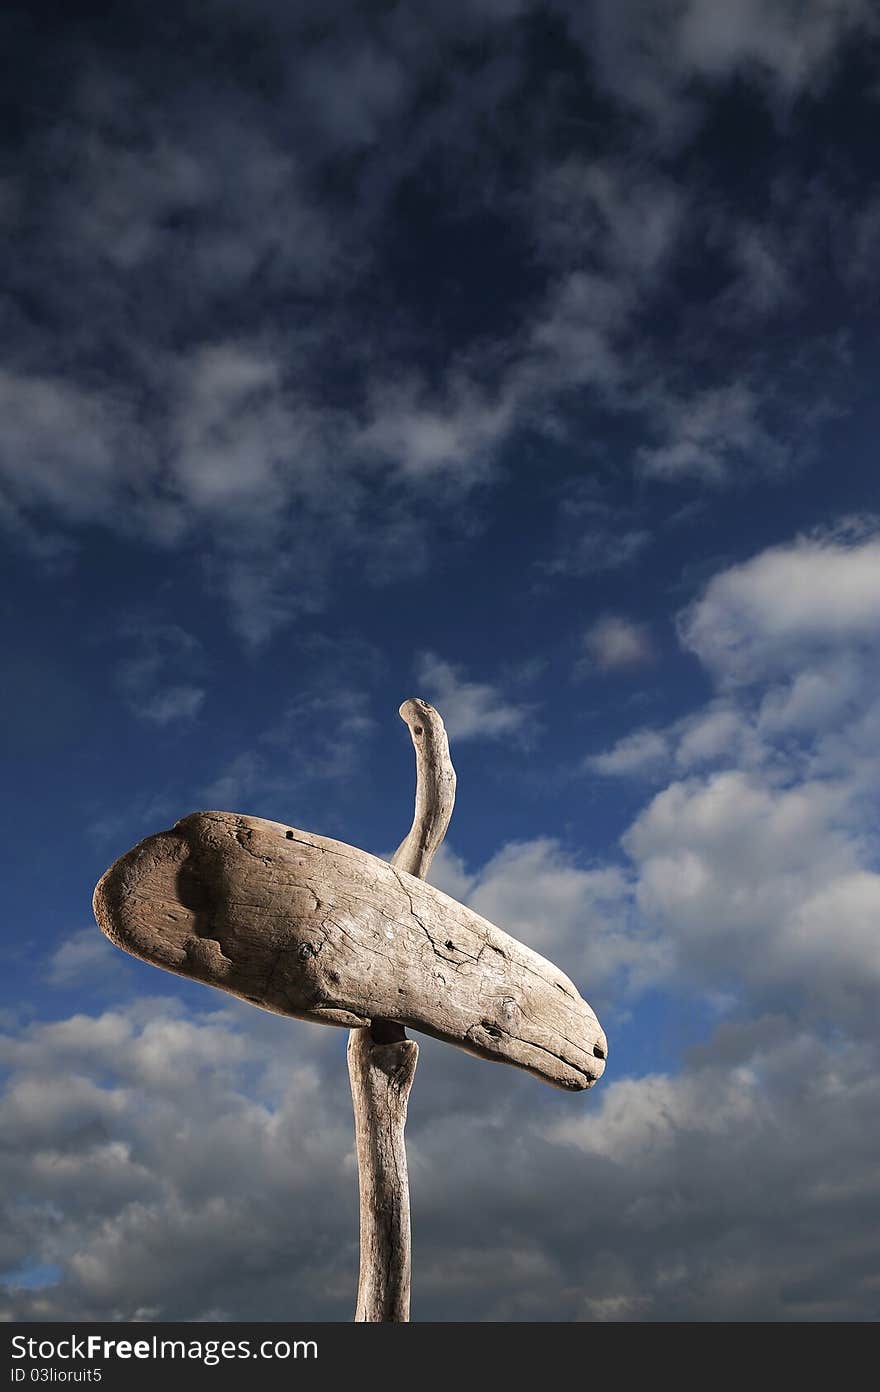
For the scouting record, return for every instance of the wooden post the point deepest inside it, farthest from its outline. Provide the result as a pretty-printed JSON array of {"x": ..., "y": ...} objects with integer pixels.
[
  {"x": 382, "y": 1061},
  {"x": 313, "y": 929}
]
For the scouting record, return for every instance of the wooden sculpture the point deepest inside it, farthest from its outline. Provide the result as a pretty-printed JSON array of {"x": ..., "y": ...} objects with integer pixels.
[{"x": 301, "y": 925}]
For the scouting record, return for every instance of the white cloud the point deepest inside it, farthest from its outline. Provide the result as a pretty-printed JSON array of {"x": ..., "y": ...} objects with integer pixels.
[
  {"x": 793, "y": 48},
  {"x": 739, "y": 1121},
  {"x": 764, "y": 616},
  {"x": 764, "y": 261},
  {"x": 177, "y": 703},
  {"x": 573, "y": 341},
  {"x": 762, "y": 885},
  {"x": 660, "y": 61},
  {"x": 643, "y": 1118},
  {"x": 595, "y": 535},
  {"x": 598, "y": 549},
  {"x": 470, "y": 710},
  {"x": 212, "y": 170},
  {"x": 275, "y": 484},
  {"x": 138, "y": 1134},
  {"x": 353, "y": 89},
  {"x": 454, "y": 434},
  {"x": 243, "y": 779},
  {"x": 719, "y": 733},
  {"x": 449, "y": 873},
  {"x": 320, "y": 738},
  {"x": 236, "y": 438},
  {"x": 158, "y": 682},
  {"x": 61, "y": 447},
  {"x": 714, "y": 435},
  {"x": 758, "y": 870},
  {"x": 615, "y": 643},
  {"x": 160, "y": 1160},
  {"x": 630, "y": 218},
  {"x": 244, "y": 452},
  {"x": 83, "y": 959},
  {"x": 576, "y": 914},
  {"x": 233, "y": 432},
  {"x": 639, "y": 754},
  {"x": 814, "y": 698},
  {"x": 857, "y": 241}
]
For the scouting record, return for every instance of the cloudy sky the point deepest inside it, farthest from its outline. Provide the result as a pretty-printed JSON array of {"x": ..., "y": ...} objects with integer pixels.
[{"x": 517, "y": 356}]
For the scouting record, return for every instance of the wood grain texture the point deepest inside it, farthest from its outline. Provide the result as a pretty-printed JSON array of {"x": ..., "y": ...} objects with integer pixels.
[
  {"x": 302, "y": 925},
  {"x": 382, "y": 1061},
  {"x": 435, "y": 789},
  {"x": 381, "y": 1075}
]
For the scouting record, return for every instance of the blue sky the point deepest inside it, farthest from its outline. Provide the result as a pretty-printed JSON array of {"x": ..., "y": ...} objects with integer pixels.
[{"x": 522, "y": 358}]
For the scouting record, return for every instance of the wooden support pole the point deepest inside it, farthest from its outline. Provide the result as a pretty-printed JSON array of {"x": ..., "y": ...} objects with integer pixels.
[
  {"x": 381, "y": 1076},
  {"x": 382, "y": 1061},
  {"x": 311, "y": 928}
]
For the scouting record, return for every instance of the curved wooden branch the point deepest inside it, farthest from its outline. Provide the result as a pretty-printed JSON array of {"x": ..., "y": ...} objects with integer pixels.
[
  {"x": 435, "y": 789},
  {"x": 382, "y": 1061}
]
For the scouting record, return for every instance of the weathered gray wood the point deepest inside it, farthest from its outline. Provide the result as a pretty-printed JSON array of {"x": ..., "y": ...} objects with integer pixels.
[
  {"x": 381, "y": 1076},
  {"x": 382, "y": 1061},
  {"x": 302, "y": 925},
  {"x": 435, "y": 789}
]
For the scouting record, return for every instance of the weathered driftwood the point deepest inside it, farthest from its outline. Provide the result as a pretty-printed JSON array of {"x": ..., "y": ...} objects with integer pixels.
[
  {"x": 382, "y": 1061},
  {"x": 302, "y": 925},
  {"x": 381, "y": 1076},
  {"x": 435, "y": 789}
]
